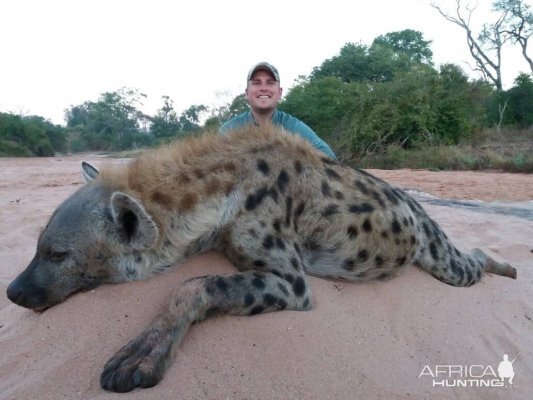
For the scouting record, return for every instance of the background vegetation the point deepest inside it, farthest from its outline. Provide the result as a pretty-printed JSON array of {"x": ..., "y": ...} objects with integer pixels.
[{"x": 383, "y": 105}]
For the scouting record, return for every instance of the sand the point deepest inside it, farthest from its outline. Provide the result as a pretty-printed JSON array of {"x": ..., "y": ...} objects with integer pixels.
[{"x": 367, "y": 341}]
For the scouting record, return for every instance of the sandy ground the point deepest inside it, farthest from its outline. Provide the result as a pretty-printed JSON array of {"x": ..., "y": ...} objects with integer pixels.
[{"x": 372, "y": 341}]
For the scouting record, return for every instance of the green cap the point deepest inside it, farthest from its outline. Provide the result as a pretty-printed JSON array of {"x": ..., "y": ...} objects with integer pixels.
[{"x": 266, "y": 67}]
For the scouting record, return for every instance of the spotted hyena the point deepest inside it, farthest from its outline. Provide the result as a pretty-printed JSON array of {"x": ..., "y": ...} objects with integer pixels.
[{"x": 277, "y": 208}]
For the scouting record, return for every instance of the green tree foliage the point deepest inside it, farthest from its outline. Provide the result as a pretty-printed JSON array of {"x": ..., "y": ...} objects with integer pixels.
[
  {"x": 388, "y": 55},
  {"x": 111, "y": 123},
  {"x": 237, "y": 106},
  {"x": 361, "y": 101},
  {"x": 368, "y": 98},
  {"x": 165, "y": 123},
  {"x": 55, "y": 133},
  {"x": 190, "y": 119},
  {"x": 352, "y": 64},
  {"x": 395, "y": 112},
  {"x": 408, "y": 42},
  {"x": 30, "y": 136},
  {"x": 114, "y": 122},
  {"x": 321, "y": 103},
  {"x": 520, "y": 102},
  {"x": 459, "y": 105},
  {"x": 420, "y": 106}
]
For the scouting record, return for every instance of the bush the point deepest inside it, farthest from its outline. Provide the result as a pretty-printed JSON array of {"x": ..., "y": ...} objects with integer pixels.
[
  {"x": 25, "y": 136},
  {"x": 484, "y": 150}
]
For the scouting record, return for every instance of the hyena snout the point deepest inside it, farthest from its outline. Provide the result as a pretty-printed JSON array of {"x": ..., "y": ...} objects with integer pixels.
[
  {"x": 24, "y": 292},
  {"x": 34, "y": 288}
]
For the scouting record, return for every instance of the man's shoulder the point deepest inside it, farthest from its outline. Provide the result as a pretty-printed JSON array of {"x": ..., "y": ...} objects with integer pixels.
[
  {"x": 236, "y": 122},
  {"x": 242, "y": 116},
  {"x": 285, "y": 117},
  {"x": 290, "y": 122}
]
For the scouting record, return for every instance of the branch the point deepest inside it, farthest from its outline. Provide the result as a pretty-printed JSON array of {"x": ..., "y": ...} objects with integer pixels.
[{"x": 490, "y": 69}]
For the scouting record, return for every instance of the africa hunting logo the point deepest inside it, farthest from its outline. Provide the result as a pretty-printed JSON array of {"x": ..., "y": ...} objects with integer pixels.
[{"x": 476, "y": 375}]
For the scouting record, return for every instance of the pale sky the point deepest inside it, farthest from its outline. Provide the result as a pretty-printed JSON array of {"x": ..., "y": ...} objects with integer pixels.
[{"x": 58, "y": 53}]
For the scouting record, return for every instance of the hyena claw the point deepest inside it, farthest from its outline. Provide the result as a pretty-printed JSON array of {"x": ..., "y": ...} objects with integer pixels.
[{"x": 141, "y": 363}]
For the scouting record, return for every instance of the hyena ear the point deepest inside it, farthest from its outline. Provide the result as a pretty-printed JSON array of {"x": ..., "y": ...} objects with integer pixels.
[
  {"x": 89, "y": 172},
  {"x": 136, "y": 226}
]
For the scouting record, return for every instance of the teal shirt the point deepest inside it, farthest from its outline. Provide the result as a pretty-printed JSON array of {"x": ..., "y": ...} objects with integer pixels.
[{"x": 287, "y": 121}]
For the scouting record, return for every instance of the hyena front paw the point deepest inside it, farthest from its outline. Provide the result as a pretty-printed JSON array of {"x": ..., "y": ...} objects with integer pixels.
[{"x": 141, "y": 363}]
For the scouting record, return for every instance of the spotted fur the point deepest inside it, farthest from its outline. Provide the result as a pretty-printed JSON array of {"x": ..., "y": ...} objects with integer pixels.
[{"x": 272, "y": 204}]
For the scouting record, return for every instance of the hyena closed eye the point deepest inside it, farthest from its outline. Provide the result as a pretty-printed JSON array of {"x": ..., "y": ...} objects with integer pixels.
[{"x": 273, "y": 205}]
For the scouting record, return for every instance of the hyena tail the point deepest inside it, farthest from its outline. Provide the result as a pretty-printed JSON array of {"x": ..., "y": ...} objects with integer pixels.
[
  {"x": 493, "y": 266},
  {"x": 460, "y": 269},
  {"x": 442, "y": 260}
]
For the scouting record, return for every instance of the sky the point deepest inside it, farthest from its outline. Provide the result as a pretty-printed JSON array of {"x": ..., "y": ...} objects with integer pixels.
[{"x": 60, "y": 53}]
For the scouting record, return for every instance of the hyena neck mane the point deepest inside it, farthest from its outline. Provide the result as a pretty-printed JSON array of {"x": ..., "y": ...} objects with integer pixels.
[
  {"x": 197, "y": 181},
  {"x": 177, "y": 176}
]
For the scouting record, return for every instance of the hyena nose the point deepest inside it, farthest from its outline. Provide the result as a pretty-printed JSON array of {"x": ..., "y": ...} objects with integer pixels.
[
  {"x": 25, "y": 293},
  {"x": 14, "y": 291}
]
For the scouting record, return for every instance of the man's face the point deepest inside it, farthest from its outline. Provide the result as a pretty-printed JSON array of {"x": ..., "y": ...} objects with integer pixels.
[{"x": 263, "y": 92}]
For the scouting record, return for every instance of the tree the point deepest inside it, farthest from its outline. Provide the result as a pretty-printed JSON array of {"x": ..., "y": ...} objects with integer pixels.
[
  {"x": 457, "y": 104},
  {"x": 238, "y": 106},
  {"x": 350, "y": 65},
  {"x": 190, "y": 119},
  {"x": 165, "y": 123},
  {"x": 389, "y": 54},
  {"x": 520, "y": 99},
  {"x": 487, "y": 47},
  {"x": 368, "y": 98},
  {"x": 398, "y": 112},
  {"x": 321, "y": 103},
  {"x": 408, "y": 42},
  {"x": 112, "y": 122},
  {"x": 518, "y": 25},
  {"x": 55, "y": 133},
  {"x": 77, "y": 115},
  {"x": 225, "y": 112},
  {"x": 28, "y": 136}
]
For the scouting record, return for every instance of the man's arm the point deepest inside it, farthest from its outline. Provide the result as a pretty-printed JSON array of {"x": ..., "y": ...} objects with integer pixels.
[{"x": 307, "y": 133}]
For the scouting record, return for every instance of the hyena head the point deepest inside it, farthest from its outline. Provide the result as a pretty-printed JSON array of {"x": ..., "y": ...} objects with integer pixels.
[{"x": 85, "y": 243}]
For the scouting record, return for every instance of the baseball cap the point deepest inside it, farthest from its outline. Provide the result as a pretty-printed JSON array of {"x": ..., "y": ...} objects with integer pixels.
[{"x": 263, "y": 66}]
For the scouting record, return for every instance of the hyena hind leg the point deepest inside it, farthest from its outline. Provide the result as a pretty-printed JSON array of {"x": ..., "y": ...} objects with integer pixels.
[{"x": 493, "y": 266}]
